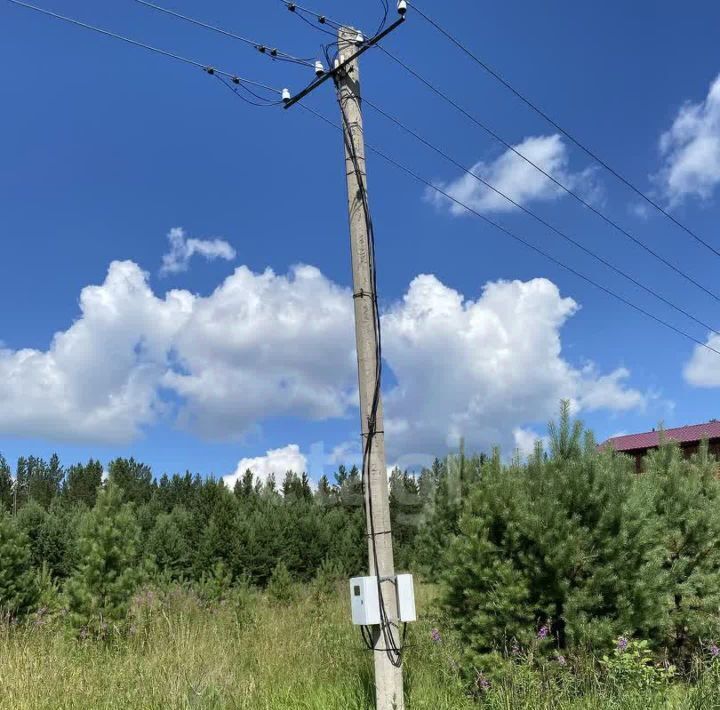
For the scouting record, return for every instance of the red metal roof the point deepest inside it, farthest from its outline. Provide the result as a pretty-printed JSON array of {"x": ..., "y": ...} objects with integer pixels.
[{"x": 683, "y": 434}]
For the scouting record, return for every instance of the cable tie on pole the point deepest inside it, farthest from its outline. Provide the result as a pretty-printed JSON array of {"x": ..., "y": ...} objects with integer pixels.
[{"x": 362, "y": 293}]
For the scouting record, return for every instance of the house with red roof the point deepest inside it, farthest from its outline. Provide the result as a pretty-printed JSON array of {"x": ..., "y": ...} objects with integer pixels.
[{"x": 689, "y": 438}]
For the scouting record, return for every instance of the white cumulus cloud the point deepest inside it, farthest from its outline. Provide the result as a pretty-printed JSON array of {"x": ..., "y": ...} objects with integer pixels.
[
  {"x": 703, "y": 368},
  {"x": 275, "y": 462},
  {"x": 260, "y": 345},
  {"x": 98, "y": 380},
  {"x": 265, "y": 345},
  {"x": 182, "y": 249},
  {"x": 479, "y": 369},
  {"x": 516, "y": 178},
  {"x": 691, "y": 150}
]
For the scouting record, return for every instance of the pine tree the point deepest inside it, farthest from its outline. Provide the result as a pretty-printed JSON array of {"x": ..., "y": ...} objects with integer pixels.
[
  {"x": 21, "y": 483},
  {"x": 245, "y": 486},
  {"x": 270, "y": 485},
  {"x": 51, "y": 536},
  {"x": 109, "y": 569},
  {"x": 686, "y": 497},
  {"x": 169, "y": 543},
  {"x": 567, "y": 543},
  {"x": 18, "y": 591},
  {"x": 350, "y": 487},
  {"x": 406, "y": 514},
  {"x": 133, "y": 477},
  {"x": 6, "y": 485},
  {"x": 36, "y": 478},
  {"x": 325, "y": 495},
  {"x": 30, "y": 520},
  {"x": 445, "y": 488},
  {"x": 220, "y": 538},
  {"x": 281, "y": 588},
  {"x": 44, "y": 480},
  {"x": 82, "y": 483}
]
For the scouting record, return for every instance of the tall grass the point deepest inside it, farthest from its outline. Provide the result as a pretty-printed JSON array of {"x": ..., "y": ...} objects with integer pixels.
[{"x": 251, "y": 652}]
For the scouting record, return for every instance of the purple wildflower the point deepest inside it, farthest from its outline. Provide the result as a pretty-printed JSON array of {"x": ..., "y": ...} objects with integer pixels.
[
  {"x": 481, "y": 682},
  {"x": 561, "y": 659},
  {"x": 714, "y": 650},
  {"x": 543, "y": 632},
  {"x": 435, "y": 635},
  {"x": 622, "y": 644}
]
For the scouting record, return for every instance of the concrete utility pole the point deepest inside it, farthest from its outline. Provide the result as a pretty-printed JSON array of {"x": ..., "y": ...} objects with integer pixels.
[{"x": 388, "y": 677}]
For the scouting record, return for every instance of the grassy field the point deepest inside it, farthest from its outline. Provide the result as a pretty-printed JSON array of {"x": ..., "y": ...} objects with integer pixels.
[{"x": 251, "y": 652}]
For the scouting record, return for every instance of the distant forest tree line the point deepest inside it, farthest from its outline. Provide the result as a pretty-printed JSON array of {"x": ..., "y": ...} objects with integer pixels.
[{"x": 188, "y": 524}]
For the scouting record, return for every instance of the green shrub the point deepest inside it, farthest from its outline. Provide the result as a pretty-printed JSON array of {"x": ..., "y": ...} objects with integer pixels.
[
  {"x": 327, "y": 579},
  {"x": 631, "y": 665},
  {"x": 281, "y": 588},
  {"x": 215, "y": 586}
]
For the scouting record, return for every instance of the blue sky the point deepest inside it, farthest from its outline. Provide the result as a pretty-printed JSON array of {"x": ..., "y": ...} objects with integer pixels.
[{"x": 106, "y": 148}]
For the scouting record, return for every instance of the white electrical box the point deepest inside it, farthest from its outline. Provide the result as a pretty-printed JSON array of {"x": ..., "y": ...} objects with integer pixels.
[
  {"x": 365, "y": 601},
  {"x": 405, "y": 597}
]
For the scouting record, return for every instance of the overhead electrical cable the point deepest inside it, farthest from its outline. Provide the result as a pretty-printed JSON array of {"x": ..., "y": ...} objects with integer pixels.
[
  {"x": 260, "y": 102},
  {"x": 427, "y": 183},
  {"x": 562, "y": 130},
  {"x": 548, "y": 175},
  {"x": 383, "y": 22},
  {"x": 534, "y": 215},
  {"x": 268, "y": 50},
  {"x": 205, "y": 67},
  {"x": 301, "y": 13},
  {"x": 320, "y": 17}
]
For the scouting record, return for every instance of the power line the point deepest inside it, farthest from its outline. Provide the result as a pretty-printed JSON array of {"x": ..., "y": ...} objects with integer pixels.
[
  {"x": 534, "y": 215},
  {"x": 383, "y": 22},
  {"x": 562, "y": 130},
  {"x": 557, "y": 182},
  {"x": 205, "y": 67},
  {"x": 271, "y": 52},
  {"x": 321, "y": 18},
  {"x": 262, "y": 103},
  {"x": 517, "y": 238}
]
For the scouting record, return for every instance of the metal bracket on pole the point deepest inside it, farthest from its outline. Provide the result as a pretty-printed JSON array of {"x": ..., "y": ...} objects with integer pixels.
[{"x": 335, "y": 70}]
